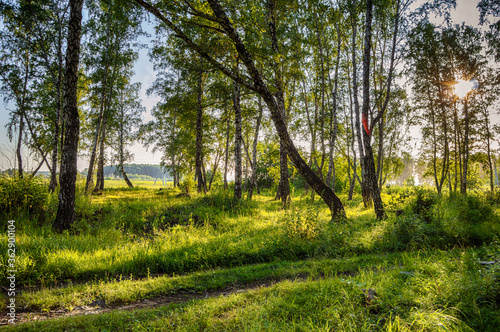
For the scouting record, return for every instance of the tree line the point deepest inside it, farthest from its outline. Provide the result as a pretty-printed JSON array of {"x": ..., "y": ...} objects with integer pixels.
[
  {"x": 153, "y": 171},
  {"x": 315, "y": 90}
]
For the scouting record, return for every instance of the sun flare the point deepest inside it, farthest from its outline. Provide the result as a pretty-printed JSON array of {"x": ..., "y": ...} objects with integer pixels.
[{"x": 463, "y": 87}]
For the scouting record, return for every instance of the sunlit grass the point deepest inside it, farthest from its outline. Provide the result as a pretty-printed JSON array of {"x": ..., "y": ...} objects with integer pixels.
[
  {"x": 122, "y": 248},
  {"x": 120, "y": 183},
  {"x": 413, "y": 292}
]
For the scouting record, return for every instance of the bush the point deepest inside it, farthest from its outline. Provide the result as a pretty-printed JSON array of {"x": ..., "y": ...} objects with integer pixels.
[
  {"x": 469, "y": 219},
  {"x": 301, "y": 224},
  {"x": 409, "y": 232},
  {"x": 22, "y": 197},
  {"x": 188, "y": 184},
  {"x": 473, "y": 210},
  {"x": 423, "y": 203}
]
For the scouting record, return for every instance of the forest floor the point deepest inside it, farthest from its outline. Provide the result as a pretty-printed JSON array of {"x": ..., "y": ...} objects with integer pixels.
[{"x": 146, "y": 259}]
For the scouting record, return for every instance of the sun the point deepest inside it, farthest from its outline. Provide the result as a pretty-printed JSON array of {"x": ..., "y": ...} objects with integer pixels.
[{"x": 463, "y": 87}]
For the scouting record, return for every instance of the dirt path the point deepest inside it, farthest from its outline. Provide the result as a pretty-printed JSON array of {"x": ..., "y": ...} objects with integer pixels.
[{"x": 98, "y": 307}]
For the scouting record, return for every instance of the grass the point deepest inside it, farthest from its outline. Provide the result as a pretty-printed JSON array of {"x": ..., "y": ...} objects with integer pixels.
[
  {"x": 140, "y": 243},
  {"x": 415, "y": 292}
]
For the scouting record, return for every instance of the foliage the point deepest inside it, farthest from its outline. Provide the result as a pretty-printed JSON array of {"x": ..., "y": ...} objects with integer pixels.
[
  {"x": 301, "y": 224},
  {"x": 423, "y": 203},
  {"x": 470, "y": 219},
  {"x": 409, "y": 232},
  {"x": 188, "y": 184},
  {"x": 23, "y": 198}
]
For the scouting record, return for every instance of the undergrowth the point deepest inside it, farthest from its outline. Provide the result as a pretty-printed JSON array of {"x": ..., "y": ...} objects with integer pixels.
[{"x": 145, "y": 233}]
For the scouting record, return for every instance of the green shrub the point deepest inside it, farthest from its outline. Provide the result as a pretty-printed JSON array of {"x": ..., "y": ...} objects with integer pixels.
[
  {"x": 23, "y": 197},
  {"x": 188, "y": 184},
  {"x": 223, "y": 200},
  {"x": 301, "y": 224},
  {"x": 409, "y": 232},
  {"x": 423, "y": 203},
  {"x": 336, "y": 238},
  {"x": 473, "y": 209},
  {"x": 469, "y": 219},
  {"x": 492, "y": 197},
  {"x": 398, "y": 199}
]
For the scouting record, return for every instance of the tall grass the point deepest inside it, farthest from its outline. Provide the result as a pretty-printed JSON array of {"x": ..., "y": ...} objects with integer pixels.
[{"x": 134, "y": 234}]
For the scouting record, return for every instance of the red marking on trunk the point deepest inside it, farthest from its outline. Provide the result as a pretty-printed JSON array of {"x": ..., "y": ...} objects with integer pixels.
[{"x": 365, "y": 124}]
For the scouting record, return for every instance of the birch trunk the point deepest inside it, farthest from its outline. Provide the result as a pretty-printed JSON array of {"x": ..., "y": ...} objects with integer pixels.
[
  {"x": 226, "y": 159},
  {"x": 199, "y": 136},
  {"x": 57, "y": 120},
  {"x": 330, "y": 178},
  {"x": 253, "y": 181},
  {"x": 121, "y": 152},
  {"x": 18, "y": 149},
  {"x": 66, "y": 209},
  {"x": 99, "y": 185},
  {"x": 365, "y": 192},
  {"x": 237, "y": 141},
  {"x": 369, "y": 163},
  {"x": 463, "y": 187}
]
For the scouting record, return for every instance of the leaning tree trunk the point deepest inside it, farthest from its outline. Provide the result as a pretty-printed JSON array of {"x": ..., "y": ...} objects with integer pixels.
[
  {"x": 38, "y": 146},
  {"x": 276, "y": 107},
  {"x": 66, "y": 209},
  {"x": 260, "y": 86},
  {"x": 44, "y": 160}
]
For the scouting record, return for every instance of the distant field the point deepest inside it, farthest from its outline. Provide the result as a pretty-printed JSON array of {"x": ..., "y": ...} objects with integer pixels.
[{"x": 116, "y": 183}]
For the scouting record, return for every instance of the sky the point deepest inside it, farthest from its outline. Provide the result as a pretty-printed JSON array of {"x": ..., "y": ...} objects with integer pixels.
[{"x": 466, "y": 11}]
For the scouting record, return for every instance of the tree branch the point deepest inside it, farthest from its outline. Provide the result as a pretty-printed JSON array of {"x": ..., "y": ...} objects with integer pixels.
[
  {"x": 153, "y": 10},
  {"x": 199, "y": 13},
  {"x": 391, "y": 69}
]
